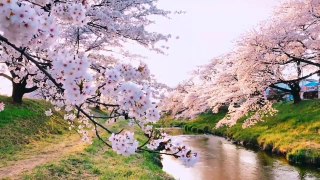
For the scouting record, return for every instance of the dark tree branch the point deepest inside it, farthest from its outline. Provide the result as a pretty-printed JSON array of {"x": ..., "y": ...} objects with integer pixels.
[
  {"x": 99, "y": 137},
  {"x": 280, "y": 88},
  {"x": 6, "y": 76},
  {"x": 28, "y": 90}
]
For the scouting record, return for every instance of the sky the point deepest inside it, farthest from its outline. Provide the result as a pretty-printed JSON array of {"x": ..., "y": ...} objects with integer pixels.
[{"x": 208, "y": 29}]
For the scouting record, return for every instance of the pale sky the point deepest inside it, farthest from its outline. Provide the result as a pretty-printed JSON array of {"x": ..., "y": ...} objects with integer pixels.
[{"x": 208, "y": 29}]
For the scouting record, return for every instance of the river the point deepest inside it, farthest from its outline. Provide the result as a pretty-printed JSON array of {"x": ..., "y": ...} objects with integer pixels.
[{"x": 222, "y": 160}]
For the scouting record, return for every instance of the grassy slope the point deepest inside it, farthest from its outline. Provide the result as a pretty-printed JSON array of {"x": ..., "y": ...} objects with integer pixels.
[
  {"x": 98, "y": 162},
  {"x": 293, "y": 132},
  {"x": 21, "y": 125}
]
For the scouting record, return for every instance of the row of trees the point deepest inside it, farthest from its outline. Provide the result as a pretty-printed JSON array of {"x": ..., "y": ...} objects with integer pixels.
[
  {"x": 283, "y": 50},
  {"x": 64, "y": 51}
]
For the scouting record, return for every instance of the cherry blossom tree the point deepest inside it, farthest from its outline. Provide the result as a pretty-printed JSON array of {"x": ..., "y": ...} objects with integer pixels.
[
  {"x": 96, "y": 26},
  {"x": 283, "y": 50},
  {"x": 63, "y": 51}
]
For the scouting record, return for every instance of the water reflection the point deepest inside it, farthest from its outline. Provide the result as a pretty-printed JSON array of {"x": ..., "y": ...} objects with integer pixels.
[{"x": 221, "y": 160}]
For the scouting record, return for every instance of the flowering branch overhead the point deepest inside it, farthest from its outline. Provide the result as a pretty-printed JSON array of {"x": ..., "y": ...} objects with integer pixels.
[{"x": 59, "y": 51}]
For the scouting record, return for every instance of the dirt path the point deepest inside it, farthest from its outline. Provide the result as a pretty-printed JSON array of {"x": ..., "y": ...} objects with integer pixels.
[{"x": 40, "y": 154}]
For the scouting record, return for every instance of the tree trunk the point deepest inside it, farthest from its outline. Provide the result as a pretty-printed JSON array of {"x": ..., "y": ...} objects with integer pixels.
[
  {"x": 18, "y": 90},
  {"x": 295, "y": 92},
  {"x": 296, "y": 97}
]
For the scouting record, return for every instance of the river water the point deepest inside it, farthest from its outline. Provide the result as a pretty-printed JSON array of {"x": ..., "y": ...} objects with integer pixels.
[{"x": 222, "y": 160}]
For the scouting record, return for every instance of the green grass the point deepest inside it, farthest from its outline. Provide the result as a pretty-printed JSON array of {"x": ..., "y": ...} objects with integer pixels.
[
  {"x": 169, "y": 121},
  {"x": 103, "y": 164},
  {"x": 100, "y": 162},
  {"x": 20, "y": 124},
  {"x": 293, "y": 132},
  {"x": 26, "y": 125},
  {"x": 204, "y": 123}
]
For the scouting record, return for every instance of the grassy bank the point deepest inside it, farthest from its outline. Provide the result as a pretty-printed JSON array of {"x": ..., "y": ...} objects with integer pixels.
[
  {"x": 97, "y": 162},
  {"x": 294, "y": 132},
  {"x": 25, "y": 131},
  {"x": 22, "y": 124}
]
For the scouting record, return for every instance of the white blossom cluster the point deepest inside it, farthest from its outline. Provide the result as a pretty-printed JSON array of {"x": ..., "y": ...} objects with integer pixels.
[
  {"x": 18, "y": 22},
  {"x": 187, "y": 157},
  {"x": 152, "y": 115},
  {"x": 154, "y": 144},
  {"x": 124, "y": 143},
  {"x": 72, "y": 72},
  {"x": 112, "y": 80},
  {"x": 26, "y": 25},
  {"x": 74, "y": 13},
  {"x": 129, "y": 73},
  {"x": 182, "y": 152},
  {"x": 48, "y": 112},
  {"x": 2, "y": 106},
  {"x": 147, "y": 129},
  {"x": 133, "y": 98}
]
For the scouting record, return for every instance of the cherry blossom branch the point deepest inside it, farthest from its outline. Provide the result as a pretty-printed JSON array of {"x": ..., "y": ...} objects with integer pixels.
[
  {"x": 99, "y": 137},
  {"x": 3, "y": 39},
  {"x": 149, "y": 139},
  {"x": 104, "y": 104},
  {"x": 6, "y": 76},
  {"x": 158, "y": 152},
  {"x": 92, "y": 120}
]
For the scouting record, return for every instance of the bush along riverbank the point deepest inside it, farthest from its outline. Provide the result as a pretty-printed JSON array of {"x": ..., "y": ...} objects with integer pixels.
[{"x": 294, "y": 132}]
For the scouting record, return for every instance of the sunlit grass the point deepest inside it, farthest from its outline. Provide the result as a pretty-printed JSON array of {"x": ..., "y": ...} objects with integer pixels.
[
  {"x": 20, "y": 124},
  {"x": 26, "y": 131},
  {"x": 102, "y": 164},
  {"x": 98, "y": 161}
]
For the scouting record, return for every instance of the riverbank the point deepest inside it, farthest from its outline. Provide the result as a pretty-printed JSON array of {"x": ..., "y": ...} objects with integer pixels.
[
  {"x": 217, "y": 155},
  {"x": 34, "y": 146},
  {"x": 293, "y": 133}
]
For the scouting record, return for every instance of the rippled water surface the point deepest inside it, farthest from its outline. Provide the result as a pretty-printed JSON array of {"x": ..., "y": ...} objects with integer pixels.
[{"x": 221, "y": 160}]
